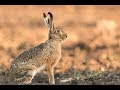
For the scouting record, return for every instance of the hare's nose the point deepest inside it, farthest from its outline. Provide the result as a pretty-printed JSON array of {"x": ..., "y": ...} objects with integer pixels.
[{"x": 66, "y": 35}]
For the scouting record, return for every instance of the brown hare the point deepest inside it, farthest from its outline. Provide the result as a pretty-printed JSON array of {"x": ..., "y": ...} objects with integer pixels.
[{"x": 44, "y": 56}]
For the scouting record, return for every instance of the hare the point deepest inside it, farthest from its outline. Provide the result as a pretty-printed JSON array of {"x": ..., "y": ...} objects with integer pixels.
[{"x": 44, "y": 56}]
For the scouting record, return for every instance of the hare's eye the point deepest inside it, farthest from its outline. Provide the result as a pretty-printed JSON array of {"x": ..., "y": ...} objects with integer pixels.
[{"x": 58, "y": 31}]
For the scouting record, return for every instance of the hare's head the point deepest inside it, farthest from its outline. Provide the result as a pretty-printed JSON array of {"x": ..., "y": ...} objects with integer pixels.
[{"x": 54, "y": 33}]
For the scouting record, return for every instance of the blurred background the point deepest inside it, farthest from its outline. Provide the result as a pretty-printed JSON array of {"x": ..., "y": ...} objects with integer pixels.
[{"x": 93, "y": 41}]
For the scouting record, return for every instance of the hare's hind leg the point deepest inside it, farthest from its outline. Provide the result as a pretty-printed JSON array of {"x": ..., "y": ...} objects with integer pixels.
[
  {"x": 50, "y": 70},
  {"x": 25, "y": 74}
]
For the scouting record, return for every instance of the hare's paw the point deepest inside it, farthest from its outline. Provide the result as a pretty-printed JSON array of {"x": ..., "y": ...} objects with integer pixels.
[
  {"x": 52, "y": 82},
  {"x": 24, "y": 80}
]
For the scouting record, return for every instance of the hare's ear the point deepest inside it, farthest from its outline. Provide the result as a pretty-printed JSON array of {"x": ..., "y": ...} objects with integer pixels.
[{"x": 48, "y": 19}]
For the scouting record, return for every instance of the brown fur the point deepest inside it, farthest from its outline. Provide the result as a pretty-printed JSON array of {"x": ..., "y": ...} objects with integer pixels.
[{"x": 46, "y": 55}]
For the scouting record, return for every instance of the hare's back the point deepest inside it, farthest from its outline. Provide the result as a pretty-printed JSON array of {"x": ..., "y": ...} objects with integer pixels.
[{"x": 28, "y": 55}]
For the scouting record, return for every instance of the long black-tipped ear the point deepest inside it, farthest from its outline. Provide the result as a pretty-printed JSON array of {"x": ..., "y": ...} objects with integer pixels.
[
  {"x": 48, "y": 19},
  {"x": 51, "y": 16},
  {"x": 44, "y": 15}
]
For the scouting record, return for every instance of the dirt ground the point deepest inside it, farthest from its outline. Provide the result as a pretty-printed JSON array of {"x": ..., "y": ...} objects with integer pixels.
[{"x": 90, "y": 54}]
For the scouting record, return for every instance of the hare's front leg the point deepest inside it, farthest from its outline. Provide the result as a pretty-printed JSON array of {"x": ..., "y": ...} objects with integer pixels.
[{"x": 50, "y": 70}]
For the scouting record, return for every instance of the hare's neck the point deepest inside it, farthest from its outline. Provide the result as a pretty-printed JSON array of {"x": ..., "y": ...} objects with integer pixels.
[
  {"x": 56, "y": 42},
  {"x": 54, "y": 47}
]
